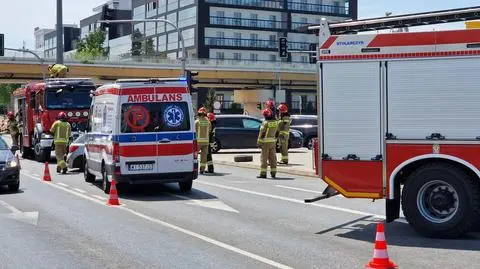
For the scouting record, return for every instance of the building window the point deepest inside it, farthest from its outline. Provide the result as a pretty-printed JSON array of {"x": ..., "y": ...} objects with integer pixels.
[
  {"x": 220, "y": 17},
  {"x": 220, "y": 55},
  {"x": 237, "y": 56},
  {"x": 272, "y": 39},
  {"x": 273, "y": 21},
  {"x": 237, "y": 39},
  {"x": 304, "y": 59},
  {"x": 253, "y": 40},
  {"x": 220, "y": 40},
  {"x": 253, "y": 20},
  {"x": 238, "y": 18},
  {"x": 253, "y": 57},
  {"x": 272, "y": 58}
]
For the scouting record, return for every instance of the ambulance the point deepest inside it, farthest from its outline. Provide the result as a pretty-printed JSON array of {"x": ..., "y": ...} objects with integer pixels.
[{"x": 142, "y": 131}]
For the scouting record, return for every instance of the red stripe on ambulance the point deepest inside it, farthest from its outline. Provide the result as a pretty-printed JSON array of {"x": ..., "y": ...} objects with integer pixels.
[{"x": 156, "y": 150}]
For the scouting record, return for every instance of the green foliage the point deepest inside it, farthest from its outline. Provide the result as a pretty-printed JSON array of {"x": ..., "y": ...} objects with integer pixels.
[
  {"x": 149, "y": 47},
  {"x": 137, "y": 43},
  {"x": 5, "y": 94},
  {"x": 211, "y": 98},
  {"x": 91, "y": 47}
]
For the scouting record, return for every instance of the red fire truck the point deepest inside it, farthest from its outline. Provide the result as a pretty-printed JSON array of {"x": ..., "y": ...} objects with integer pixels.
[
  {"x": 399, "y": 118},
  {"x": 38, "y": 105}
]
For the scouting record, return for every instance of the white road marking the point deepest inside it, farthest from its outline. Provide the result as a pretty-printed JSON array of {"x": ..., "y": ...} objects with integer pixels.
[
  {"x": 26, "y": 217},
  {"x": 9, "y": 207},
  {"x": 62, "y": 184},
  {"x": 100, "y": 197},
  {"x": 35, "y": 175},
  {"x": 298, "y": 189},
  {"x": 356, "y": 212},
  {"x": 79, "y": 190},
  {"x": 177, "y": 228},
  {"x": 210, "y": 203},
  {"x": 209, "y": 240}
]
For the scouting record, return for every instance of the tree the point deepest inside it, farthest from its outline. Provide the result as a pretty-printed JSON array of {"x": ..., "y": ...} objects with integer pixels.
[
  {"x": 149, "y": 47},
  {"x": 6, "y": 91},
  {"x": 91, "y": 46},
  {"x": 211, "y": 98},
  {"x": 136, "y": 43}
]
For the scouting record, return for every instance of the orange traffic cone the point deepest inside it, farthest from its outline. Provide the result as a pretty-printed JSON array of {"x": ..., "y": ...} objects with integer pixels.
[
  {"x": 46, "y": 173},
  {"x": 113, "y": 200},
  {"x": 380, "y": 255}
]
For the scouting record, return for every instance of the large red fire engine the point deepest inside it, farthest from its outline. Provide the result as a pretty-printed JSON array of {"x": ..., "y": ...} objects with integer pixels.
[
  {"x": 399, "y": 118},
  {"x": 38, "y": 105}
]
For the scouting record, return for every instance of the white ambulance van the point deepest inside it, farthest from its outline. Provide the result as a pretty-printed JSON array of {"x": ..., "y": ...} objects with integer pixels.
[{"x": 142, "y": 131}]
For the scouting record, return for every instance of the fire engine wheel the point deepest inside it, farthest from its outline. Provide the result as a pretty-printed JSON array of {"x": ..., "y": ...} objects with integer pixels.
[
  {"x": 441, "y": 200},
  {"x": 105, "y": 182},
  {"x": 41, "y": 155}
]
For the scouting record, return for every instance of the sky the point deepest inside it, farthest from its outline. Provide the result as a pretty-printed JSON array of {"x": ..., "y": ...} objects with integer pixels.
[{"x": 19, "y": 18}]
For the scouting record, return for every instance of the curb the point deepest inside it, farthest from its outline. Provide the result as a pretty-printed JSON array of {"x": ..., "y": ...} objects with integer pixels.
[{"x": 280, "y": 169}]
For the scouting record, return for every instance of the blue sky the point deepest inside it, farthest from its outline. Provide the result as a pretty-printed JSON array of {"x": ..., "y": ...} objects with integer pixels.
[{"x": 19, "y": 18}]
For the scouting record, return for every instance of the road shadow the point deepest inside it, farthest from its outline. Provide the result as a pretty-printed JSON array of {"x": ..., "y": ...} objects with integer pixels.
[
  {"x": 282, "y": 178},
  {"x": 401, "y": 234},
  {"x": 215, "y": 174},
  {"x": 238, "y": 152},
  {"x": 5, "y": 191},
  {"x": 158, "y": 192}
]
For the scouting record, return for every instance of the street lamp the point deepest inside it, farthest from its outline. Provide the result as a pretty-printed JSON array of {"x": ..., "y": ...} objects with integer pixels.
[{"x": 180, "y": 35}]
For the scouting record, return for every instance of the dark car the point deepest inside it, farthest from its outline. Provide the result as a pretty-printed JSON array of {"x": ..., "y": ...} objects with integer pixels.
[
  {"x": 9, "y": 167},
  {"x": 241, "y": 131},
  {"x": 307, "y": 124}
]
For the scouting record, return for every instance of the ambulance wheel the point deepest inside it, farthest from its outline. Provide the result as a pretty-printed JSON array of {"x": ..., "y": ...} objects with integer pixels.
[
  {"x": 186, "y": 185},
  {"x": 86, "y": 175},
  {"x": 441, "y": 200},
  {"x": 105, "y": 182}
]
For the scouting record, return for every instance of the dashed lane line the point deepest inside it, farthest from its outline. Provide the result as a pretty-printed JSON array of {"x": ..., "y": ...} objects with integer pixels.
[
  {"x": 79, "y": 190},
  {"x": 100, "y": 197},
  {"x": 62, "y": 184},
  {"x": 174, "y": 227}
]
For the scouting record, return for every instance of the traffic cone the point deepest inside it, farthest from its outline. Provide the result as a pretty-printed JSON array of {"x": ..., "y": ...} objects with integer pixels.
[
  {"x": 46, "y": 173},
  {"x": 380, "y": 255},
  {"x": 113, "y": 200}
]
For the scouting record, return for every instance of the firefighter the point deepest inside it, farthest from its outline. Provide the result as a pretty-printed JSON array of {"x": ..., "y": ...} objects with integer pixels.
[
  {"x": 267, "y": 140},
  {"x": 271, "y": 105},
  {"x": 58, "y": 70},
  {"x": 203, "y": 126},
  {"x": 13, "y": 128},
  {"x": 61, "y": 130},
  {"x": 212, "y": 119},
  {"x": 283, "y": 131}
]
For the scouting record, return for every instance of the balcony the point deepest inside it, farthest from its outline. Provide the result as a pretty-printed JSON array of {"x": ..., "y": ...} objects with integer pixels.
[
  {"x": 251, "y": 3},
  {"x": 318, "y": 8},
  {"x": 252, "y": 43},
  {"x": 250, "y": 23}
]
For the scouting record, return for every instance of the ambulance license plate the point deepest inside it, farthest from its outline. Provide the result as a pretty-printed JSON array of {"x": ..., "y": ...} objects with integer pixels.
[{"x": 140, "y": 166}]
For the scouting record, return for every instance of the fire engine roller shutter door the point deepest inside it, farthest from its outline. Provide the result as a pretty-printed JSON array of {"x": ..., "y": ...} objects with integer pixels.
[
  {"x": 351, "y": 109},
  {"x": 434, "y": 96}
]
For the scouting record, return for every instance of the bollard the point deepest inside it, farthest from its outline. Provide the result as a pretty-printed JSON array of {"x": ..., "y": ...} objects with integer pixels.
[{"x": 316, "y": 152}]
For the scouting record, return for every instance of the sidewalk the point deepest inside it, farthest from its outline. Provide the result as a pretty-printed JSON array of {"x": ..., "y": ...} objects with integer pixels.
[{"x": 300, "y": 161}]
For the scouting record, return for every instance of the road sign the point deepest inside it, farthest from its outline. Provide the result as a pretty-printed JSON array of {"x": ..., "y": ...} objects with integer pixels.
[{"x": 217, "y": 105}]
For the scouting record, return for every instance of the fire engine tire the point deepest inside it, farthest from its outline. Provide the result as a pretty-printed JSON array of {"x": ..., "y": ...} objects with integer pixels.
[
  {"x": 243, "y": 158},
  {"x": 441, "y": 200},
  {"x": 185, "y": 186}
]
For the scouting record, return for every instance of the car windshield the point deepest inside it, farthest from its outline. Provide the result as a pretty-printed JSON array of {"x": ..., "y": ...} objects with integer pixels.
[
  {"x": 3, "y": 145},
  {"x": 304, "y": 121},
  {"x": 155, "y": 117},
  {"x": 76, "y": 98}
]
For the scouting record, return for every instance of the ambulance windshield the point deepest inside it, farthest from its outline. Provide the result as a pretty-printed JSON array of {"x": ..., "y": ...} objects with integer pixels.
[
  {"x": 155, "y": 117},
  {"x": 77, "y": 98}
]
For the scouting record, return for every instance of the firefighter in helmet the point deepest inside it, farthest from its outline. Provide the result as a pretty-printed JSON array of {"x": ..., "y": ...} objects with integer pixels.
[
  {"x": 203, "y": 127},
  {"x": 267, "y": 140},
  {"x": 61, "y": 130},
  {"x": 58, "y": 70},
  {"x": 283, "y": 131},
  {"x": 13, "y": 128},
  {"x": 271, "y": 105},
  {"x": 212, "y": 119}
]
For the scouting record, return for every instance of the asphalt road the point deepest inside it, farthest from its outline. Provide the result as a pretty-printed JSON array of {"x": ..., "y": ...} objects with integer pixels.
[{"x": 229, "y": 220}]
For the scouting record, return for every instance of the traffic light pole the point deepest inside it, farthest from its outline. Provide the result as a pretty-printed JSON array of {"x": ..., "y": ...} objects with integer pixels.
[
  {"x": 180, "y": 35},
  {"x": 59, "y": 32}
]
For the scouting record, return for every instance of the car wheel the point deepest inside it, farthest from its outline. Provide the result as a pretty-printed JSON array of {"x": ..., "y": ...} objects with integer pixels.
[
  {"x": 14, "y": 187},
  {"x": 87, "y": 176},
  {"x": 105, "y": 182},
  {"x": 185, "y": 186},
  {"x": 309, "y": 143},
  {"x": 215, "y": 147}
]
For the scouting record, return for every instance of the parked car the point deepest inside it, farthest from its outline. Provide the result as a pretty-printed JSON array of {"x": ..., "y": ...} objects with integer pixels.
[
  {"x": 9, "y": 167},
  {"x": 75, "y": 157},
  {"x": 307, "y": 124},
  {"x": 241, "y": 131}
]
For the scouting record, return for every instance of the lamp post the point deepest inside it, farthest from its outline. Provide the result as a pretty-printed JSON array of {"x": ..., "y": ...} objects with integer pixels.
[
  {"x": 180, "y": 35},
  {"x": 59, "y": 32}
]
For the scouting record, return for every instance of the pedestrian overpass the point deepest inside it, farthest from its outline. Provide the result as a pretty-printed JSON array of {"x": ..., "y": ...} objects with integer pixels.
[{"x": 212, "y": 73}]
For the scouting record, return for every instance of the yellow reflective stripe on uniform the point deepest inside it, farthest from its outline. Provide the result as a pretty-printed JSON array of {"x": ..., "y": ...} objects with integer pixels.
[
  {"x": 263, "y": 170},
  {"x": 284, "y": 132},
  {"x": 61, "y": 132},
  {"x": 273, "y": 169},
  {"x": 271, "y": 131},
  {"x": 267, "y": 140}
]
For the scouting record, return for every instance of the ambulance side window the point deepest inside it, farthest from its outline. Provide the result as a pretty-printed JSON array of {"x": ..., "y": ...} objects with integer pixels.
[
  {"x": 97, "y": 118},
  {"x": 108, "y": 118}
]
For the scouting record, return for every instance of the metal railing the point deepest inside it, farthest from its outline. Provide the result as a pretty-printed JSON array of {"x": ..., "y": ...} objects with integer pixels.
[
  {"x": 251, "y": 3},
  {"x": 251, "y": 23},
  {"x": 319, "y": 8},
  {"x": 252, "y": 43}
]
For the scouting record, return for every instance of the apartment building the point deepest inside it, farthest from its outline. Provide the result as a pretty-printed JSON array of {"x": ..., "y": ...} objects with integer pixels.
[
  {"x": 122, "y": 11},
  {"x": 71, "y": 34}
]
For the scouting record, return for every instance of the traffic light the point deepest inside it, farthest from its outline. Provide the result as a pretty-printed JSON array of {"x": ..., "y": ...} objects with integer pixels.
[
  {"x": 283, "y": 47},
  {"x": 191, "y": 78},
  {"x": 313, "y": 55},
  {"x": 2, "y": 45},
  {"x": 107, "y": 14}
]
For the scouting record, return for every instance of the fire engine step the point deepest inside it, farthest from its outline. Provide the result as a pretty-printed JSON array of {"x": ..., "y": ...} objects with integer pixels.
[{"x": 327, "y": 193}]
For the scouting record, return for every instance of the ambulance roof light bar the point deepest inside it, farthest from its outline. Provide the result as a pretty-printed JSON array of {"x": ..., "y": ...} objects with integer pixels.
[{"x": 399, "y": 21}]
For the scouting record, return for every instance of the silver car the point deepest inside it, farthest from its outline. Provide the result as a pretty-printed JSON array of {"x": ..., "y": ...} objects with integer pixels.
[{"x": 76, "y": 150}]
